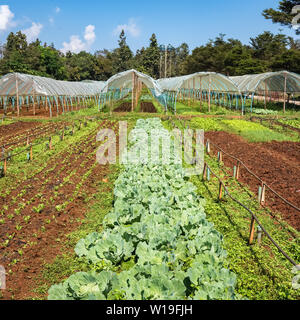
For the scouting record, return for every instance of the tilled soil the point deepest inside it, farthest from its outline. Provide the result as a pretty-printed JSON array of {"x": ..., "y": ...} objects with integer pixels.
[
  {"x": 124, "y": 107},
  {"x": 276, "y": 163},
  {"x": 148, "y": 107},
  {"x": 40, "y": 227},
  {"x": 13, "y": 129}
]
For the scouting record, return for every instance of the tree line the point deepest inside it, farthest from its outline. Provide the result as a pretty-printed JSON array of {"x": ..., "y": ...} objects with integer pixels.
[{"x": 264, "y": 53}]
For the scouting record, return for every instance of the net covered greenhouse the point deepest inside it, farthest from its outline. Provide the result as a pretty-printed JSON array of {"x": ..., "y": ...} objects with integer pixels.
[{"x": 27, "y": 94}]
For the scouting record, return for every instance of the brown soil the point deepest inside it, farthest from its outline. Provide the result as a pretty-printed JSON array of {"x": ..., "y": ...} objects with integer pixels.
[
  {"x": 276, "y": 163},
  {"x": 39, "y": 112},
  {"x": 148, "y": 107},
  {"x": 16, "y": 137},
  {"x": 42, "y": 236},
  {"x": 17, "y": 128},
  {"x": 124, "y": 107}
]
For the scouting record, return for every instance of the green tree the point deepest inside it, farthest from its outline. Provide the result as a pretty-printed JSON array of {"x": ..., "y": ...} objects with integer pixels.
[
  {"x": 147, "y": 60},
  {"x": 283, "y": 15},
  {"x": 122, "y": 56},
  {"x": 267, "y": 45}
]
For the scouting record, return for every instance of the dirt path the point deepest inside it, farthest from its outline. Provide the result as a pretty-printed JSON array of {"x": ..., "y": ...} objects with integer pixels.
[
  {"x": 276, "y": 163},
  {"x": 51, "y": 204}
]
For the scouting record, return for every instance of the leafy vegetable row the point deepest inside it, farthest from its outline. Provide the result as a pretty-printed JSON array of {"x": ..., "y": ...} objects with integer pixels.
[{"x": 158, "y": 236}]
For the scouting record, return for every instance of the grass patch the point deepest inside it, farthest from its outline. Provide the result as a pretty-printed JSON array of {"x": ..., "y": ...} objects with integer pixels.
[
  {"x": 254, "y": 132},
  {"x": 207, "y": 124}
]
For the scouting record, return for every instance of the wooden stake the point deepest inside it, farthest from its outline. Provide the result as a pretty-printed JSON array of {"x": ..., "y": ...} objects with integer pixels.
[
  {"x": 220, "y": 158},
  {"x": 204, "y": 171},
  {"x": 259, "y": 235},
  {"x": 220, "y": 190},
  {"x": 17, "y": 94},
  {"x": 284, "y": 95},
  {"x": 34, "y": 102},
  {"x": 30, "y": 154},
  {"x": 132, "y": 103},
  {"x": 263, "y": 194},
  {"x": 237, "y": 175},
  {"x": 200, "y": 92},
  {"x": 265, "y": 94},
  {"x": 208, "y": 147},
  {"x": 252, "y": 226},
  {"x": 209, "y": 92},
  {"x": 5, "y": 166}
]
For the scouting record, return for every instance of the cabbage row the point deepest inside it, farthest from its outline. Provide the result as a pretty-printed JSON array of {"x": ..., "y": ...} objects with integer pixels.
[{"x": 158, "y": 229}]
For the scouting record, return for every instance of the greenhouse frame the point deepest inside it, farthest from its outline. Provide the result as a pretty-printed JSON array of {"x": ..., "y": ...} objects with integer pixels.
[
  {"x": 269, "y": 84},
  {"x": 34, "y": 94}
]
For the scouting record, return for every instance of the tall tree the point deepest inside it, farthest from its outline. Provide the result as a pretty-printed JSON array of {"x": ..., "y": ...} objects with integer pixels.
[
  {"x": 123, "y": 55},
  {"x": 149, "y": 58},
  {"x": 283, "y": 15}
]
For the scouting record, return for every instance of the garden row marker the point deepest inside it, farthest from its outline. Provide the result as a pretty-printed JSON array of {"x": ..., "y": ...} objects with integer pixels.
[
  {"x": 204, "y": 171},
  {"x": 220, "y": 157},
  {"x": 220, "y": 190},
  {"x": 208, "y": 174},
  {"x": 263, "y": 195},
  {"x": 259, "y": 194},
  {"x": 252, "y": 228},
  {"x": 237, "y": 175},
  {"x": 208, "y": 147},
  {"x": 234, "y": 171},
  {"x": 259, "y": 235}
]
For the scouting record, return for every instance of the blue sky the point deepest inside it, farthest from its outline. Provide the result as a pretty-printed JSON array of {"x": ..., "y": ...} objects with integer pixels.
[{"x": 93, "y": 25}]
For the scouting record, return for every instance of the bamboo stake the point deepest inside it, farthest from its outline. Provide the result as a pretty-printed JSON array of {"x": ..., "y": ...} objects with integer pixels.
[
  {"x": 252, "y": 229},
  {"x": 265, "y": 94},
  {"x": 220, "y": 190},
  {"x": 200, "y": 92},
  {"x": 5, "y": 166},
  {"x": 209, "y": 92},
  {"x": 17, "y": 94},
  {"x": 237, "y": 176},
  {"x": 284, "y": 96},
  {"x": 34, "y": 102},
  {"x": 132, "y": 95},
  {"x": 204, "y": 171}
]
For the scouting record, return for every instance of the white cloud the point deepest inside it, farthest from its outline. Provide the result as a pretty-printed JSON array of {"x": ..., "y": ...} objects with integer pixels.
[
  {"x": 130, "y": 28},
  {"x": 33, "y": 32},
  {"x": 6, "y": 17},
  {"x": 51, "y": 20},
  {"x": 89, "y": 34},
  {"x": 76, "y": 44},
  {"x": 57, "y": 10}
]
